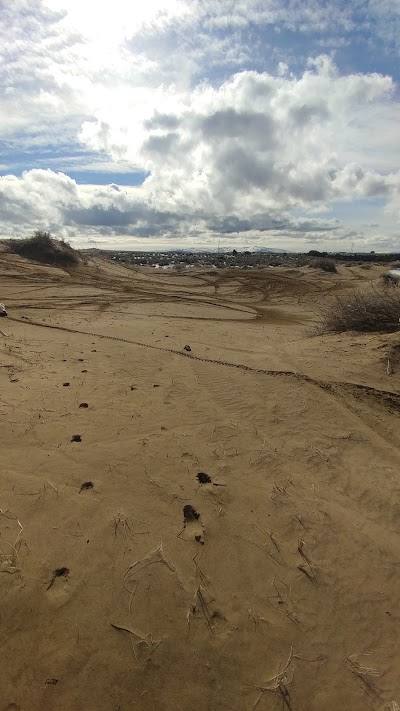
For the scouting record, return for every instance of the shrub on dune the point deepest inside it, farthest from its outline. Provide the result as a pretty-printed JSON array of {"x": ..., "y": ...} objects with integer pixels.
[
  {"x": 41, "y": 247},
  {"x": 327, "y": 265},
  {"x": 371, "y": 311}
]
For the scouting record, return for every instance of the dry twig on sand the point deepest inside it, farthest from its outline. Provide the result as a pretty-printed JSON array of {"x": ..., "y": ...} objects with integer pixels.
[
  {"x": 363, "y": 673},
  {"x": 360, "y": 669},
  {"x": 278, "y": 683},
  {"x": 200, "y": 600},
  {"x": 204, "y": 607},
  {"x": 308, "y": 568},
  {"x": 276, "y": 553},
  {"x": 204, "y": 579},
  {"x": 44, "y": 489},
  {"x": 146, "y": 640},
  {"x": 154, "y": 556},
  {"x": 284, "y": 604},
  {"x": 9, "y": 561},
  {"x": 120, "y": 521}
]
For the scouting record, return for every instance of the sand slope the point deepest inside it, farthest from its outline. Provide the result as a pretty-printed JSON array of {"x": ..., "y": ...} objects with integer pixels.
[{"x": 283, "y": 593}]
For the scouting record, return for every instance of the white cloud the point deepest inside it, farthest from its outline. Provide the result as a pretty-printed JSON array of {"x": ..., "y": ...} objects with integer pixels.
[
  {"x": 255, "y": 142},
  {"x": 127, "y": 85},
  {"x": 112, "y": 22},
  {"x": 38, "y": 197}
]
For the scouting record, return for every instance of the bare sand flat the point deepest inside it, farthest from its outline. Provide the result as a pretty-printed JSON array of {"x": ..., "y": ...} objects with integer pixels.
[{"x": 128, "y": 581}]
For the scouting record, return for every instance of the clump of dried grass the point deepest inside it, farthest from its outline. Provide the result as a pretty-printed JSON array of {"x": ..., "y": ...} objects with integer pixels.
[
  {"x": 360, "y": 669},
  {"x": 325, "y": 264},
  {"x": 366, "y": 674},
  {"x": 376, "y": 310},
  {"x": 389, "y": 280},
  {"x": 42, "y": 247}
]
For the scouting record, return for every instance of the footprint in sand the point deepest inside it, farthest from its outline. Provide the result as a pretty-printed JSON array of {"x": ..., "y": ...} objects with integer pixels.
[
  {"x": 58, "y": 589},
  {"x": 192, "y": 524}
]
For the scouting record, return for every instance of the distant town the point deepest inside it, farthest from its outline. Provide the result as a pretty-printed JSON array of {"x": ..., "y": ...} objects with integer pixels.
[{"x": 240, "y": 260}]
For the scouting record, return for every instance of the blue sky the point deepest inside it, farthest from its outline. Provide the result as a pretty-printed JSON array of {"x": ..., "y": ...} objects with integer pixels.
[{"x": 192, "y": 122}]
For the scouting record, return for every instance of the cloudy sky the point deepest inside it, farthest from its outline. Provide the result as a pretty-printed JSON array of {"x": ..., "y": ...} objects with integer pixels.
[{"x": 159, "y": 123}]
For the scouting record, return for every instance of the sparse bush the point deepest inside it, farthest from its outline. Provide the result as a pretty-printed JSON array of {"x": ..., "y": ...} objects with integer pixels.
[
  {"x": 390, "y": 280},
  {"x": 372, "y": 311},
  {"x": 41, "y": 247},
  {"x": 327, "y": 265}
]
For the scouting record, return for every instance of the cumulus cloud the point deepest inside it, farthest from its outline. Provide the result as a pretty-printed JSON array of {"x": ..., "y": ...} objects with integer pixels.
[
  {"x": 36, "y": 70},
  {"x": 128, "y": 210},
  {"x": 255, "y": 142}
]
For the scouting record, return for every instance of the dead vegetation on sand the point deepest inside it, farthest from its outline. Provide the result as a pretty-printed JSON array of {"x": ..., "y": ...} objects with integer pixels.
[
  {"x": 374, "y": 311},
  {"x": 42, "y": 247}
]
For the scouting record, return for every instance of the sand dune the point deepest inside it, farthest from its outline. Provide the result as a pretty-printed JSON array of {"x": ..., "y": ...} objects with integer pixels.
[{"x": 127, "y": 583}]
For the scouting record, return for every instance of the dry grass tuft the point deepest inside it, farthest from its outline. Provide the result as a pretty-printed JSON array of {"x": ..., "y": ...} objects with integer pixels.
[
  {"x": 377, "y": 310},
  {"x": 366, "y": 674},
  {"x": 389, "y": 280},
  {"x": 41, "y": 247},
  {"x": 360, "y": 669},
  {"x": 325, "y": 264}
]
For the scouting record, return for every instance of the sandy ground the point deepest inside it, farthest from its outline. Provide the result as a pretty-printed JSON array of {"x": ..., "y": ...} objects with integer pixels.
[{"x": 125, "y": 582}]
